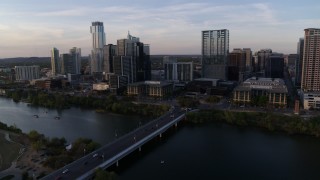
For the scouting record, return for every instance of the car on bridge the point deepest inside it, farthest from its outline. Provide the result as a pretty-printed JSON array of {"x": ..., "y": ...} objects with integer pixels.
[
  {"x": 95, "y": 155},
  {"x": 65, "y": 171}
]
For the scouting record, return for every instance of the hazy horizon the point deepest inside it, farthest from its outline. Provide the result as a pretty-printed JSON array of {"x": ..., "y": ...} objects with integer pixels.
[{"x": 32, "y": 28}]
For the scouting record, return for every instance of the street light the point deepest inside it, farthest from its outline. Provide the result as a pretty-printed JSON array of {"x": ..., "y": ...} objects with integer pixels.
[{"x": 115, "y": 133}]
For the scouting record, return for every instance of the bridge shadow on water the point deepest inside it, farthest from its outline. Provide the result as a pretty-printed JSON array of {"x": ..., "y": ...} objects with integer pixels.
[{"x": 136, "y": 156}]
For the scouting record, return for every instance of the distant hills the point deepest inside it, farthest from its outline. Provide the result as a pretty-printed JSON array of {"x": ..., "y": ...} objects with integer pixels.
[{"x": 25, "y": 61}]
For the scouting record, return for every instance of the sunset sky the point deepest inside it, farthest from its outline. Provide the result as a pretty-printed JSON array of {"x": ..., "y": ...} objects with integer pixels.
[{"x": 33, "y": 27}]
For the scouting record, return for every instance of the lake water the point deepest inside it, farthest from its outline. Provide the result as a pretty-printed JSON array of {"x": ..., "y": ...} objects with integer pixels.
[
  {"x": 209, "y": 151},
  {"x": 73, "y": 122}
]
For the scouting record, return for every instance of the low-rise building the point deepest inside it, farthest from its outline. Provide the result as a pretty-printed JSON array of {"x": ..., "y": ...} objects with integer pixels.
[
  {"x": 159, "y": 89},
  {"x": 100, "y": 86},
  {"x": 273, "y": 89},
  {"x": 311, "y": 100}
]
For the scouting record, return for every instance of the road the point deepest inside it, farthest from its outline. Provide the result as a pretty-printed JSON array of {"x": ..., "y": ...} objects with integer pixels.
[{"x": 94, "y": 159}]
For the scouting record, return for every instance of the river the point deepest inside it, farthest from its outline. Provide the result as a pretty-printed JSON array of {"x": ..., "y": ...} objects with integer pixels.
[
  {"x": 207, "y": 151},
  {"x": 73, "y": 123}
]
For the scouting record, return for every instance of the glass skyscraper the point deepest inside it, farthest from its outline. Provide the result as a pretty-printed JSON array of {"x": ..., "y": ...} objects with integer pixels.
[
  {"x": 98, "y": 42},
  {"x": 55, "y": 66},
  {"x": 215, "y": 49}
]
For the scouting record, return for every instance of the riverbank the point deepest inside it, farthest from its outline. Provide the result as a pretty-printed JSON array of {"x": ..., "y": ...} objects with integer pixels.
[
  {"x": 267, "y": 120},
  {"x": 18, "y": 157}
]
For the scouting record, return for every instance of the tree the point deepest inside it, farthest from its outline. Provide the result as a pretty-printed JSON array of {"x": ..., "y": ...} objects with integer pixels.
[
  {"x": 104, "y": 175},
  {"x": 34, "y": 135}
]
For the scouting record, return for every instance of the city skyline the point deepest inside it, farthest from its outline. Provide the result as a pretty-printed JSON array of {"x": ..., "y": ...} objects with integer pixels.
[{"x": 33, "y": 28}]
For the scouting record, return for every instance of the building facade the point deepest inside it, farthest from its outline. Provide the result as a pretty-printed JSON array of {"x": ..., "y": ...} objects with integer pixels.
[
  {"x": 155, "y": 89},
  {"x": 108, "y": 52},
  {"x": 29, "y": 73},
  {"x": 262, "y": 56},
  {"x": 98, "y": 42},
  {"x": 273, "y": 89},
  {"x": 214, "y": 51},
  {"x": 178, "y": 71},
  {"x": 236, "y": 65},
  {"x": 310, "y": 79},
  {"x": 71, "y": 62},
  {"x": 274, "y": 66},
  {"x": 55, "y": 62},
  {"x": 299, "y": 62}
]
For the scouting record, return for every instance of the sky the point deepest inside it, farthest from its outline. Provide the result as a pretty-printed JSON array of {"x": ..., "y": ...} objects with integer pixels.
[{"x": 33, "y": 27}]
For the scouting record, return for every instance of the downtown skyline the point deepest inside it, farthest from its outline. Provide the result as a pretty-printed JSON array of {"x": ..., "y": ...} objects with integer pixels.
[{"x": 171, "y": 27}]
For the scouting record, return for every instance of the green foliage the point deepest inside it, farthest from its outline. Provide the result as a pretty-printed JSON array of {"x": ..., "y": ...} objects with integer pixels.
[
  {"x": 109, "y": 103},
  {"x": 272, "y": 122},
  {"x": 187, "y": 102},
  {"x": 101, "y": 174},
  {"x": 259, "y": 101},
  {"x": 213, "y": 99},
  {"x": 10, "y": 128},
  {"x": 8, "y": 177}
]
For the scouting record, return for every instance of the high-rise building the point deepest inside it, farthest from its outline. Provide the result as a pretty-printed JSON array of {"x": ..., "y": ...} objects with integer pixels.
[
  {"x": 55, "y": 65},
  {"x": 178, "y": 71},
  {"x": 292, "y": 58},
  {"x": 248, "y": 61},
  {"x": 299, "y": 62},
  {"x": 140, "y": 53},
  {"x": 27, "y": 72},
  {"x": 263, "y": 55},
  {"x": 215, "y": 49},
  {"x": 109, "y": 51},
  {"x": 310, "y": 81},
  {"x": 274, "y": 65},
  {"x": 66, "y": 63},
  {"x": 71, "y": 62},
  {"x": 236, "y": 65},
  {"x": 98, "y": 42},
  {"x": 75, "y": 55}
]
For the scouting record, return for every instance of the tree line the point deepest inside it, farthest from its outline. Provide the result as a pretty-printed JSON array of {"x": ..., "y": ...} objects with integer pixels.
[
  {"x": 55, "y": 149},
  {"x": 273, "y": 122},
  {"x": 108, "y": 103}
]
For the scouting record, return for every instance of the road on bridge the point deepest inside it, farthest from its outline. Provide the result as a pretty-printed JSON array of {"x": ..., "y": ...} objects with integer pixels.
[{"x": 91, "y": 161}]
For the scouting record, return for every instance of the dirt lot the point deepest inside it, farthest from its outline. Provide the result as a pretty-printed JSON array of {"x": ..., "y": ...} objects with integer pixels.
[{"x": 29, "y": 160}]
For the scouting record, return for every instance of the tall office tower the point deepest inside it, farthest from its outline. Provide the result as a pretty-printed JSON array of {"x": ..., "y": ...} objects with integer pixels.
[
  {"x": 299, "y": 62},
  {"x": 98, "y": 41},
  {"x": 263, "y": 55},
  {"x": 248, "y": 61},
  {"x": 108, "y": 52},
  {"x": 237, "y": 65},
  {"x": 215, "y": 49},
  {"x": 292, "y": 58},
  {"x": 140, "y": 53},
  {"x": 75, "y": 55},
  {"x": 55, "y": 65},
  {"x": 178, "y": 71},
  {"x": 310, "y": 81},
  {"x": 274, "y": 66},
  {"x": 66, "y": 63},
  {"x": 27, "y": 72}
]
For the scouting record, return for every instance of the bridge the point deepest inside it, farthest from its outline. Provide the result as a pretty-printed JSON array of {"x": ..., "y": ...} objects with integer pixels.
[{"x": 111, "y": 153}]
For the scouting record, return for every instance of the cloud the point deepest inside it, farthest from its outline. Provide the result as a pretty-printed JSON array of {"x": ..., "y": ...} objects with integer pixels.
[
  {"x": 79, "y": 11},
  {"x": 174, "y": 27}
]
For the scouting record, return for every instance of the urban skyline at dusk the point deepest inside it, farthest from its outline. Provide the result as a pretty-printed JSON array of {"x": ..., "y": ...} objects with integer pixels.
[{"x": 171, "y": 27}]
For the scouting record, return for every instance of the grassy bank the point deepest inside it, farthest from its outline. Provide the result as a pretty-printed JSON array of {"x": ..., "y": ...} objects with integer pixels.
[
  {"x": 270, "y": 121},
  {"x": 8, "y": 152}
]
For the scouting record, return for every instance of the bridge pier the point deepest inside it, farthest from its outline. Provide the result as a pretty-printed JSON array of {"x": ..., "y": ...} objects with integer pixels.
[
  {"x": 140, "y": 149},
  {"x": 117, "y": 164},
  {"x": 160, "y": 135},
  {"x": 176, "y": 124}
]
